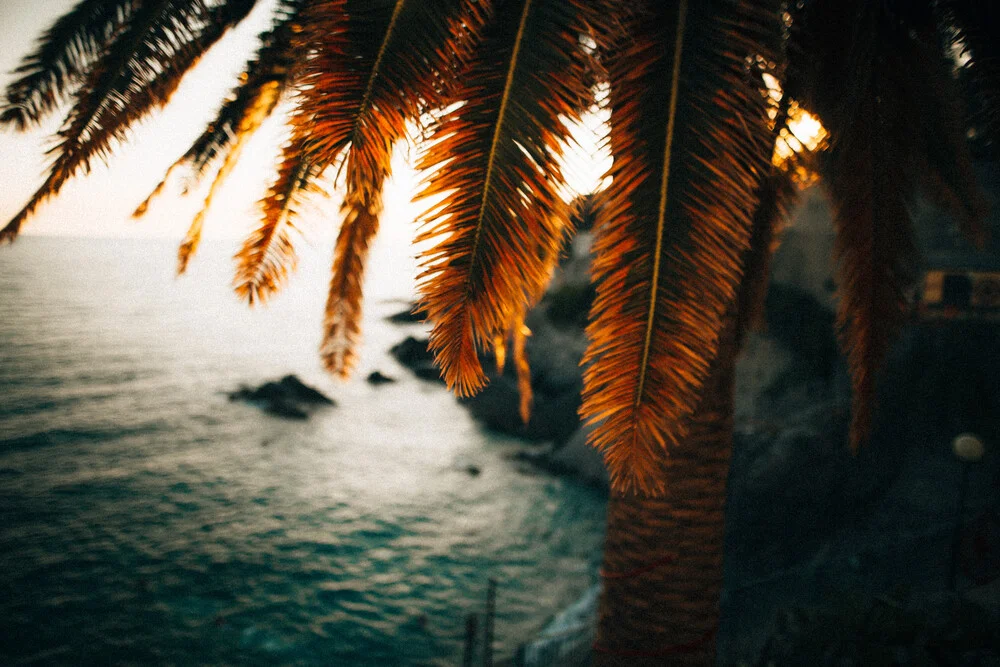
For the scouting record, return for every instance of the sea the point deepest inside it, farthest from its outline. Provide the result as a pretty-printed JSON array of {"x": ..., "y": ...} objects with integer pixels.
[{"x": 146, "y": 519}]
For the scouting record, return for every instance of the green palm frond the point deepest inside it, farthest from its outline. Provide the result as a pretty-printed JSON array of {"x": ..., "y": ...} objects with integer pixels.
[
  {"x": 64, "y": 54},
  {"x": 690, "y": 136},
  {"x": 377, "y": 66},
  {"x": 493, "y": 161},
  {"x": 895, "y": 132},
  {"x": 137, "y": 74}
]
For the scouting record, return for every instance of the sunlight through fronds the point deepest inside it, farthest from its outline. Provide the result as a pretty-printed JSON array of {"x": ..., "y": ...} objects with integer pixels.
[
  {"x": 261, "y": 87},
  {"x": 802, "y": 133},
  {"x": 375, "y": 68},
  {"x": 493, "y": 164},
  {"x": 251, "y": 121}
]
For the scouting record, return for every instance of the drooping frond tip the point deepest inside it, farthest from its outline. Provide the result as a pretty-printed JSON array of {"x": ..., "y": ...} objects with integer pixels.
[
  {"x": 374, "y": 70},
  {"x": 895, "y": 134},
  {"x": 268, "y": 254},
  {"x": 342, "y": 322}
]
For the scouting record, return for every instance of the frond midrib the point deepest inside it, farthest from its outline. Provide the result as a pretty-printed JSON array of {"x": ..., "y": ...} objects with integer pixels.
[
  {"x": 662, "y": 210},
  {"x": 494, "y": 144},
  {"x": 366, "y": 99}
]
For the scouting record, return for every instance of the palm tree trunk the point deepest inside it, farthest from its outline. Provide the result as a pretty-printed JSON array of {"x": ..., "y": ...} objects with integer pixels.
[{"x": 662, "y": 568}]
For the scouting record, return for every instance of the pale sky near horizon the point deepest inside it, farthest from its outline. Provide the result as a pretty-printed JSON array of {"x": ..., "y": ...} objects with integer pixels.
[{"x": 100, "y": 204}]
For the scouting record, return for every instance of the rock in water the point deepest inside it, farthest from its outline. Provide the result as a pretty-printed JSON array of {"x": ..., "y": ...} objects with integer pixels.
[
  {"x": 411, "y": 315},
  {"x": 413, "y": 353},
  {"x": 303, "y": 393},
  {"x": 286, "y": 409},
  {"x": 289, "y": 397},
  {"x": 376, "y": 378}
]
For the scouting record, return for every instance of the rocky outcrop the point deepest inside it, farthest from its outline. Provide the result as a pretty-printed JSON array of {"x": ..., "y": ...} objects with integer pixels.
[
  {"x": 554, "y": 350},
  {"x": 289, "y": 397}
]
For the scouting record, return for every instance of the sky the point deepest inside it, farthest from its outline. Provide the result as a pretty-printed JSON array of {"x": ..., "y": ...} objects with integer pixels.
[{"x": 100, "y": 204}]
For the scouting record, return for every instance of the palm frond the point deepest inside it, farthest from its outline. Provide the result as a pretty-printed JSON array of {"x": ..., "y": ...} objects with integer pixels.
[
  {"x": 894, "y": 134},
  {"x": 376, "y": 67},
  {"x": 64, "y": 53},
  {"x": 263, "y": 105},
  {"x": 777, "y": 194},
  {"x": 268, "y": 254},
  {"x": 977, "y": 24},
  {"x": 493, "y": 163},
  {"x": 137, "y": 74},
  {"x": 342, "y": 321},
  {"x": 690, "y": 138},
  {"x": 263, "y": 82},
  {"x": 520, "y": 341}
]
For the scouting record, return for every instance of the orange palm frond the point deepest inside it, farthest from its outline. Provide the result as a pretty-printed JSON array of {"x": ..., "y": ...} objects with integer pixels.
[
  {"x": 65, "y": 52},
  {"x": 138, "y": 73},
  {"x": 268, "y": 254},
  {"x": 493, "y": 163},
  {"x": 690, "y": 139},
  {"x": 375, "y": 68},
  {"x": 342, "y": 322},
  {"x": 262, "y": 84},
  {"x": 520, "y": 335},
  {"x": 894, "y": 133},
  {"x": 265, "y": 103}
]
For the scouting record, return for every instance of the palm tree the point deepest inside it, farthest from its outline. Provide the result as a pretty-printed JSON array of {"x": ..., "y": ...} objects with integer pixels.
[{"x": 683, "y": 235}]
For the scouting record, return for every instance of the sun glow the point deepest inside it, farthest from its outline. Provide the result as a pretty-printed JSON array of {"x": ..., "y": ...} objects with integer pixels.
[{"x": 802, "y": 133}]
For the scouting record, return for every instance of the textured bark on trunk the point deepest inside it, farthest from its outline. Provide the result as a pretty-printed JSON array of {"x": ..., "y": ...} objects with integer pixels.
[{"x": 662, "y": 569}]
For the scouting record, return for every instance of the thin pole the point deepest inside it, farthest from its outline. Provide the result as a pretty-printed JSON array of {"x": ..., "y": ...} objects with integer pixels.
[
  {"x": 471, "y": 623},
  {"x": 491, "y": 594}
]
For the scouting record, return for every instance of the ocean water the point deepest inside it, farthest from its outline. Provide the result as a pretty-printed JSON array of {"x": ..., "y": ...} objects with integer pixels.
[{"x": 146, "y": 519}]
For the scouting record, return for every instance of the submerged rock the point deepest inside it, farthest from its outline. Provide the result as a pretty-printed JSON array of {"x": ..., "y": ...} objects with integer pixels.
[{"x": 289, "y": 397}]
